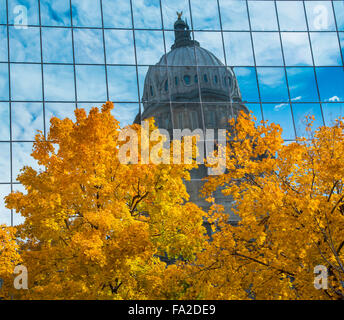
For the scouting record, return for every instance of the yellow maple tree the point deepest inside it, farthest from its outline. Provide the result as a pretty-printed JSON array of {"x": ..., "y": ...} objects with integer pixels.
[
  {"x": 290, "y": 200},
  {"x": 96, "y": 228}
]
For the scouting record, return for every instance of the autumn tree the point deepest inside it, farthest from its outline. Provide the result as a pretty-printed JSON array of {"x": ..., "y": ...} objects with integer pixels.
[
  {"x": 96, "y": 228},
  {"x": 9, "y": 259},
  {"x": 290, "y": 200}
]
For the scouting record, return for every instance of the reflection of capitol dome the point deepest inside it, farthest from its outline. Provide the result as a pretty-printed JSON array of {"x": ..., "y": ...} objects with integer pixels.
[{"x": 190, "y": 88}]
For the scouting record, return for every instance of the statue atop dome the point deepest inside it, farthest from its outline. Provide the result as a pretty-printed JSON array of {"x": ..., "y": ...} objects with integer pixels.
[{"x": 179, "y": 14}]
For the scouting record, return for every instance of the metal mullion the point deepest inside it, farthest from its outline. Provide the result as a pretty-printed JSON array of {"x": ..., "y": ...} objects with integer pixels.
[
  {"x": 42, "y": 67},
  {"x": 311, "y": 47},
  {"x": 337, "y": 30},
  {"x": 167, "y": 69},
  {"x": 73, "y": 50},
  {"x": 135, "y": 54},
  {"x": 225, "y": 57},
  {"x": 285, "y": 69},
  {"x": 197, "y": 70},
  {"x": 10, "y": 105},
  {"x": 103, "y": 31},
  {"x": 254, "y": 60}
]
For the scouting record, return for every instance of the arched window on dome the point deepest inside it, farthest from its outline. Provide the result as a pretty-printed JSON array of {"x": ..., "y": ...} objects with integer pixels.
[
  {"x": 151, "y": 91},
  {"x": 166, "y": 85},
  {"x": 187, "y": 80},
  {"x": 176, "y": 80},
  {"x": 216, "y": 80},
  {"x": 196, "y": 78},
  {"x": 205, "y": 78}
]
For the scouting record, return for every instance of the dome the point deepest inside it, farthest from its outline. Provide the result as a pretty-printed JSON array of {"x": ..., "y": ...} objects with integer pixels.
[{"x": 186, "y": 71}]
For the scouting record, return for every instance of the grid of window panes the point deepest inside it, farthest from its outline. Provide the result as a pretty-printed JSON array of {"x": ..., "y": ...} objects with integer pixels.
[{"x": 287, "y": 56}]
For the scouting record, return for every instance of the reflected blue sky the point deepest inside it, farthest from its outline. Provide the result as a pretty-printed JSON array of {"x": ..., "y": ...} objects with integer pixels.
[{"x": 296, "y": 70}]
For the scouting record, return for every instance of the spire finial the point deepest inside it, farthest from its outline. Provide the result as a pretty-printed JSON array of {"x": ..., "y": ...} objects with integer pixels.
[{"x": 179, "y": 14}]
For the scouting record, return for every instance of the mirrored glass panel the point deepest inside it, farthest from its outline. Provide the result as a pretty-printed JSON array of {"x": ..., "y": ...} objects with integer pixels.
[
  {"x": 23, "y": 12},
  {"x": 320, "y": 16},
  {"x": 25, "y": 45},
  {"x": 280, "y": 114},
  {"x": 331, "y": 90},
  {"x": 55, "y": 12},
  {"x": 3, "y": 44},
  {"x": 21, "y": 156},
  {"x": 263, "y": 15},
  {"x": 4, "y": 121},
  {"x": 301, "y": 111},
  {"x": 234, "y": 15},
  {"x": 91, "y": 83},
  {"x": 238, "y": 47},
  {"x": 3, "y": 14},
  {"x": 339, "y": 13},
  {"x": 88, "y": 46},
  {"x": 326, "y": 49},
  {"x": 267, "y": 49},
  {"x": 4, "y": 81},
  {"x": 57, "y": 45},
  {"x": 147, "y": 14},
  {"x": 5, "y": 160},
  {"x": 272, "y": 84},
  {"x": 247, "y": 80},
  {"x": 27, "y": 118},
  {"x": 26, "y": 82},
  {"x": 125, "y": 113},
  {"x": 332, "y": 112},
  {"x": 291, "y": 16},
  {"x": 149, "y": 46},
  {"x": 5, "y": 214},
  {"x": 59, "y": 83},
  {"x": 205, "y": 20},
  {"x": 59, "y": 110},
  {"x": 119, "y": 47},
  {"x": 296, "y": 48},
  {"x": 86, "y": 13},
  {"x": 122, "y": 83},
  {"x": 116, "y": 14},
  {"x": 302, "y": 84}
]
